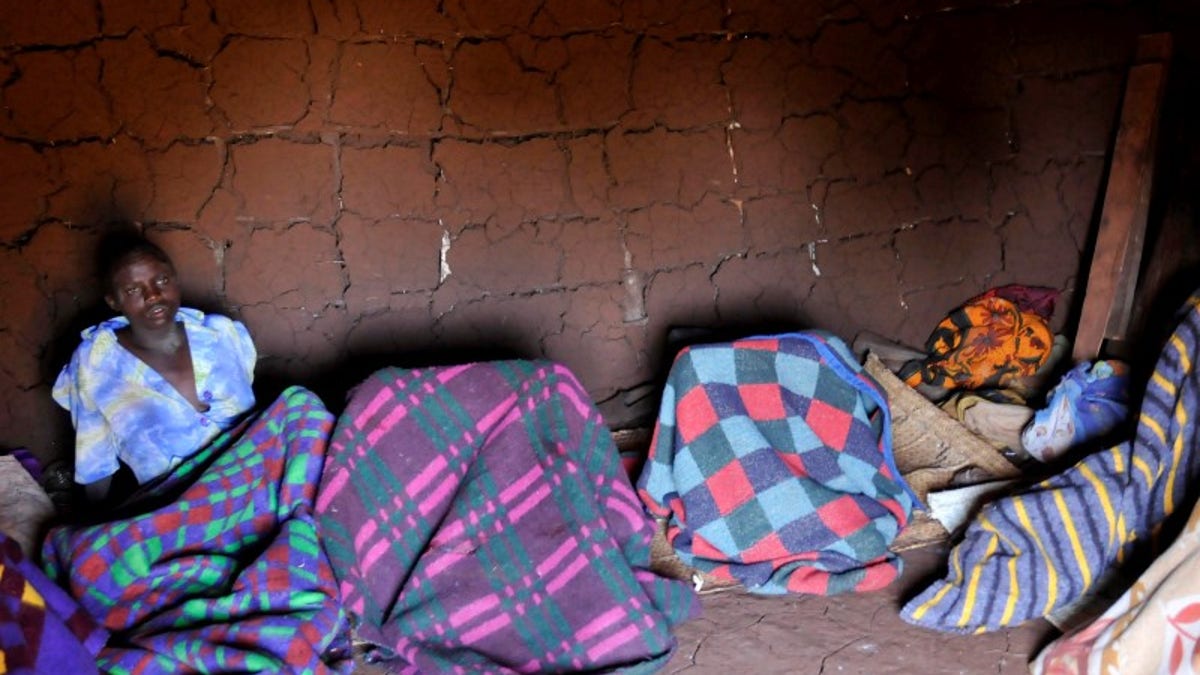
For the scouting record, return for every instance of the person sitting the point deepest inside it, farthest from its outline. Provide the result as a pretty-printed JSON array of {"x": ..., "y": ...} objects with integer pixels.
[{"x": 155, "y": 384}]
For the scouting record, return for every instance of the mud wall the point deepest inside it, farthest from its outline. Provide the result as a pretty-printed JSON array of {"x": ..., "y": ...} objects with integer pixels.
[{"x": 370, "y": 181}]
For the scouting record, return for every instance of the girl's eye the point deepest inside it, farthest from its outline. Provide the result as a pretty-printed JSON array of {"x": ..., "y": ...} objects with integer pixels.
[
  {"x": 133, "y": 292},
  {"x": 163, "y": 281}
]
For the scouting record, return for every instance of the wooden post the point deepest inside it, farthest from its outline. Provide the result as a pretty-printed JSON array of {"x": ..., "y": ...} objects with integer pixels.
[{"x": 1112, "y": 278}]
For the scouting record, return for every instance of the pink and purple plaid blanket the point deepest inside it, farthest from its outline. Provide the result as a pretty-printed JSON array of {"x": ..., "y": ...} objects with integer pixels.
[{"x": 478, "y": 519}]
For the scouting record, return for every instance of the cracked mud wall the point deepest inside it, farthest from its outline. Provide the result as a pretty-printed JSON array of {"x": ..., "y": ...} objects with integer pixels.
[{"x": 368, "y": 181}]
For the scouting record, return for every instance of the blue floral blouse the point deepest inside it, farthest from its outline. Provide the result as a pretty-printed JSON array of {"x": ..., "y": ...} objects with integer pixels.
[{"x": 123, "y": 409}]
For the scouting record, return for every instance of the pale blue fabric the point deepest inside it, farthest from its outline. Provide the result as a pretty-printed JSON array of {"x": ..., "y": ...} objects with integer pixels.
[
  {"x": 1089, "y": 402},
  {"x": 123, "y": 409}
]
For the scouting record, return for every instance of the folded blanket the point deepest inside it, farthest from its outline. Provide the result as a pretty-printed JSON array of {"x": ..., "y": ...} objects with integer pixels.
[
  {"x": 42, "y": 630},
  {"x": 772, "y": 463},
  {"x": 216, "y": 568},
  {"x": 478, "y": 518},
  {"x": 1029, "y": 555}
]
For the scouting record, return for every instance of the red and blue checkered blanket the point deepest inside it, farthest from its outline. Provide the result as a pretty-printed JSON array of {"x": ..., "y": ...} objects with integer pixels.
[
  {"x": 216, "y": 568},
  {"x": 772, "y": 463},
  {"x": 478, "y": 519}
]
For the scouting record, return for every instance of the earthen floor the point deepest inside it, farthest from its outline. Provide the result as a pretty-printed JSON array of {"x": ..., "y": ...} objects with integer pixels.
[
  {"x": 743, "y": 634},
  {"x": 855, "y": 633}
]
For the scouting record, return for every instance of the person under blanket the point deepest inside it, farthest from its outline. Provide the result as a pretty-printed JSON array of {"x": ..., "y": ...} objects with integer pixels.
[
  {"x": 478, "y": 519},
  {"x": 156, "y": 384},
  {"x": 771, "y": 465}
]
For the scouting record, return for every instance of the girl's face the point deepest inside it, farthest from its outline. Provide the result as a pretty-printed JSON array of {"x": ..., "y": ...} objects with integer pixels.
[{"x": 145, "y": 290}]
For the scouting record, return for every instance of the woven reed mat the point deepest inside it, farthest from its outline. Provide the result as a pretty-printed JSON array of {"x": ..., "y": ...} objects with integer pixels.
[
  {"x": 664, "y": 561},
  {"x": 933, "y": 451}
]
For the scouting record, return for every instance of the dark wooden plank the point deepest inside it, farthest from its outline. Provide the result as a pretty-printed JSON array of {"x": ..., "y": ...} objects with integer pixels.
[{"x": 1112, "y": 278}]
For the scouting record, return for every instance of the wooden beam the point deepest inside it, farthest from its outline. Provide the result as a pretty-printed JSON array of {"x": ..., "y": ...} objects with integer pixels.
[{"x": 1112, "y": 278}]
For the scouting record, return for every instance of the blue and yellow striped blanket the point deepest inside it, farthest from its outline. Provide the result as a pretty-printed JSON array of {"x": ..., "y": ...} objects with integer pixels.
[{"x": 1031, "y": 554}]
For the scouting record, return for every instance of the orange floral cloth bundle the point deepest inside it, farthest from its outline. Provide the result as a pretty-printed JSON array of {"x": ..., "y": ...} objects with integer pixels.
[{"x": 990, "y": 342}]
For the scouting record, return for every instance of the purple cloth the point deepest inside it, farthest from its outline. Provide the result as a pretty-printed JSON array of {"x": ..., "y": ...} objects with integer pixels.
[
  {"x": 27, "y": 460},
  {"x": 42, "y": 629}
]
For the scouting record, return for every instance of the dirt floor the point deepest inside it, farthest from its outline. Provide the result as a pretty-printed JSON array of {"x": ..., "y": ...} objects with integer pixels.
[
  {"x": 743, "y": 634},
  {"x": 857, "y": 633}
]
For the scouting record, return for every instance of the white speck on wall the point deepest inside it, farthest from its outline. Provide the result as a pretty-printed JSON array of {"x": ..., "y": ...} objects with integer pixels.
[
  {"x": 444, "y": 259},
  {"x": 812, "y": 255},
  {"x": 635, "y": 291},
  {"x": 729, "y": 148}
]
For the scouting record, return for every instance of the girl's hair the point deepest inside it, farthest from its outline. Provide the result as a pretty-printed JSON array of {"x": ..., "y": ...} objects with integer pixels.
[{"x": 118, "y": 248}]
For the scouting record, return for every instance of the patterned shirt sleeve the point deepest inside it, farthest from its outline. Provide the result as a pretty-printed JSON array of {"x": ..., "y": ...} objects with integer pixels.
[
  {"x": 95, "y": 452},
  {"x": 244, "y": 348}
]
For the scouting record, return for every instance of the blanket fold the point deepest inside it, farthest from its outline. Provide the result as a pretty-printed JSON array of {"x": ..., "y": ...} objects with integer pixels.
[
  {"x": 217, "y": 567},
  {"x": 478, "y": 519}
]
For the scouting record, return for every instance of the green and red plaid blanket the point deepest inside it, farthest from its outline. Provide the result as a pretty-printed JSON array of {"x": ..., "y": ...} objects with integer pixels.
[{"x": 216, "y": 568}]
